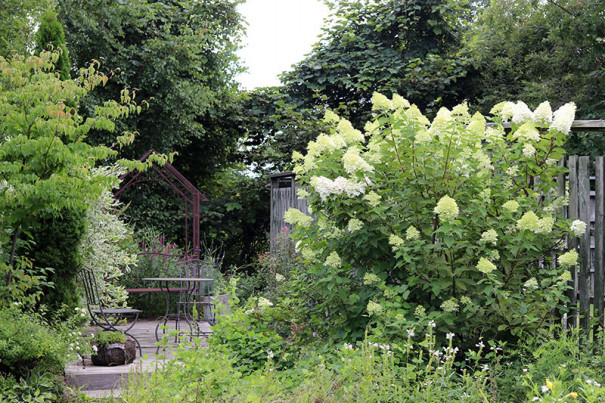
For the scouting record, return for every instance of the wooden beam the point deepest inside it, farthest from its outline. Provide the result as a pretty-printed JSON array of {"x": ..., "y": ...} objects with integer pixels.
[{"x": 577, "y": 125}]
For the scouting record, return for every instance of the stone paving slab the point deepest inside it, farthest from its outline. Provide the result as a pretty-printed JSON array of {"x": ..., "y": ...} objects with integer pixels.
[{"x": 89, "y": 377}]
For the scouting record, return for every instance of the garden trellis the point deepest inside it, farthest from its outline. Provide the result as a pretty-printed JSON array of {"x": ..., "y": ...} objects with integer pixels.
[{"x": 586, "y": 185}]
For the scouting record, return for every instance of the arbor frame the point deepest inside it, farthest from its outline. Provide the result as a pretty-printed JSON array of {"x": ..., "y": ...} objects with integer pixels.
[{"x": 189, "y": 194}]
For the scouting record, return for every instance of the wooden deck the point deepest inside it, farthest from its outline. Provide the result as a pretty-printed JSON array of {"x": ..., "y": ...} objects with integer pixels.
[{"x": 102, "y": 381}]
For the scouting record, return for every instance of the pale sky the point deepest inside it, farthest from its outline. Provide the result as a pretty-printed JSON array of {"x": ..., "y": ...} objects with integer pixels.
[{"x": 279, "y": 34}]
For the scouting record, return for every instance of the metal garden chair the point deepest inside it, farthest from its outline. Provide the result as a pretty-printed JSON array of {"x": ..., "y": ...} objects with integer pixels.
[{"x": 102, "y": 316}]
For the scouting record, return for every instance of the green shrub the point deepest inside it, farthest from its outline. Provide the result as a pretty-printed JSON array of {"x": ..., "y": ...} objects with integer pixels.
[
  {"x": 249, "y": 336},
  {"x": 56, "y": 246},
  {"x": 446, "y": 221},
  {"x": 35, "y": 387},
  {"x": 108, "y": 247},
  {"x": 28, "y": 343},
  {"x": 272, "y": 270}
]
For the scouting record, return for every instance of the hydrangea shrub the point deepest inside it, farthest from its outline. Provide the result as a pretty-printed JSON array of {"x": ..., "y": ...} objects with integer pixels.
[{"x": 452, "y": 221}]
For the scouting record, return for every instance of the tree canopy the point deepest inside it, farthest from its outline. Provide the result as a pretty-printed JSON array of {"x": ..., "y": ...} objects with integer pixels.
[
  {"x": 179, "y": 55},
  {"x": 405, "y": 47}
]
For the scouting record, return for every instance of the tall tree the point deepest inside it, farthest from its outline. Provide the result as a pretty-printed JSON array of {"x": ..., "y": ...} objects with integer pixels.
[
  {"x": 392, "y": 46},
  {"x": 18, "y": 19},
  {"x": 45, "y": 163},
  {"x": 51, "y": 37},
  {"x": 535, "y": 51},
  {"x": 178, "y": 54}
]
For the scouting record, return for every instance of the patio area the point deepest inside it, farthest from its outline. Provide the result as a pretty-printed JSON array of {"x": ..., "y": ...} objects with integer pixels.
[{"x": 100, "y": 381}]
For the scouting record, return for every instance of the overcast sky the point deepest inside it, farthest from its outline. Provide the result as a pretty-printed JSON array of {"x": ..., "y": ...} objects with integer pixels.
[{"x": 279, "y": 34}]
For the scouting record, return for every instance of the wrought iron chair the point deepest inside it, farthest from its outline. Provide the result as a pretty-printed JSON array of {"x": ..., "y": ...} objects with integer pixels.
[{"x": 100, "y": 315}]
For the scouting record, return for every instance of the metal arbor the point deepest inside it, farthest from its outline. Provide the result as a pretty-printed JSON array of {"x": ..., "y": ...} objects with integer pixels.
[{"x": 190, "y": 195}]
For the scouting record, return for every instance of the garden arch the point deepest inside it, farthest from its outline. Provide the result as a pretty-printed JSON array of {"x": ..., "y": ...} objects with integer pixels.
[{"x": 184, "y": 189}]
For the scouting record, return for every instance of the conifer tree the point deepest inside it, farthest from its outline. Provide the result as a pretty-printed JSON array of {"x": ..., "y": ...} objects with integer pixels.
[{"x": 51, "y": 37}]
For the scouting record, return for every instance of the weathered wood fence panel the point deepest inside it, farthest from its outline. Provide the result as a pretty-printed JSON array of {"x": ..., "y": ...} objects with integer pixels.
[
  {"x": 283, "y": 196},
  {"x": 587, "y": 202}
]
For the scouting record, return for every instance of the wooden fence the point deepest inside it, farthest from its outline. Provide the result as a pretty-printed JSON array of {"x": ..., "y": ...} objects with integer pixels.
[{"x": 586, "y": 181}]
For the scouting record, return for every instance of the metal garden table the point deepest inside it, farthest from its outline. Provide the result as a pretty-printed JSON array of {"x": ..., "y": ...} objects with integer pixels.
[{"x": 190, "y": 285}]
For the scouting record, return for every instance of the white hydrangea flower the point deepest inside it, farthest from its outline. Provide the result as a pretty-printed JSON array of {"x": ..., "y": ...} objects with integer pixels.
[
  {"x": 511, "y": 205},
  {"x": 302, "y": 193},
  {"x": 441, "y": 122},
  {"x": 322, "y": 185},
  {"x": 508, "y": 110},
  {"x": 451, "y": 305},
  {"x": 412, "y": 234},
  {"x": 395, "y": 241},
  {"x": 354, "y": 225},
  {"x": 349, "y": 187},
  {"x": 494, "y": 135},
  {"x": 527, "y": 133},
  {"x": 563, "y": 118},
  {"x": 529, "y": 221},
  {"x": 297, "y": 217},
  {"x": 568, "y": 259},
  {"x": 400, "y": 102},
  {"x": 380, "y": 102},
  {"x": 522, "y": 113},
  {"x": 489, "y": 236},
  {"x": 485, "y": 266},
  {"x": 333, "y": 260},
  {"x": 352, "y": 162},
  {"x": 529, "y": 150},
  {"x": 531, "y": 284},
  {"x": 543, "y": 114},
  {"x": 370, "y": 126},
  {"x": 370, "y": 278},
  {"x": 545, "y": 225},
  {"x": 374, "y": 308},
  {"x": 578, "y": 227},
  {"x": 423, "y": 136},
  {"x": 373, "y": 198},
  {"x": 446, "y": 208},
  {"x": 348, "y": 132},
  {"x": 264, "y": 302},
  {"x": 512, "y": 171},
  {"x": 330, "y": 116},
  {"x": 338, "y": 141},
  {"x": 325, "y": 143}
]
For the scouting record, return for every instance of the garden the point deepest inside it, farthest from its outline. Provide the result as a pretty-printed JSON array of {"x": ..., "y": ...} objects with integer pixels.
[{"x": 444, "y": 247}]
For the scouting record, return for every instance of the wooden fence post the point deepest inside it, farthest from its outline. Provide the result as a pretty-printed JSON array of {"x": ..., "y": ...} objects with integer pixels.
[
  {"x": 572, "y": 213},
  {"x": 584, "y": 266},
  {"x": 599, "y": 272}
]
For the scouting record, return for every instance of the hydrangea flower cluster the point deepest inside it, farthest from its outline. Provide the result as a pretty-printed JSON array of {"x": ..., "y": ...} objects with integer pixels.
[
  {"x": 578, "y": 227},
  {"x": 447, "y": 209}
]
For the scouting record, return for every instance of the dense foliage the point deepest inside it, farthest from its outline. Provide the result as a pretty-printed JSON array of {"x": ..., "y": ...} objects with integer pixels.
[
  {"x": 534, "y": 50},
  {"x": 17, "y": 30},
  {"x": 108, "y": 246},
  {"x": 444, "y": 221},
  {"x": 420, "y": 369},
  {"x": 405, "y": 47}
]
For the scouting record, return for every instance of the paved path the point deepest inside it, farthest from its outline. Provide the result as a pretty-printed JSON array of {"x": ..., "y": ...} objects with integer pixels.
[{"x": 103, "y": 381}]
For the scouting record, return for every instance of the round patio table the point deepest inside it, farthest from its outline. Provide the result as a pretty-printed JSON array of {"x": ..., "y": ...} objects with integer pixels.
[{"x": 189, "y": 287}]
